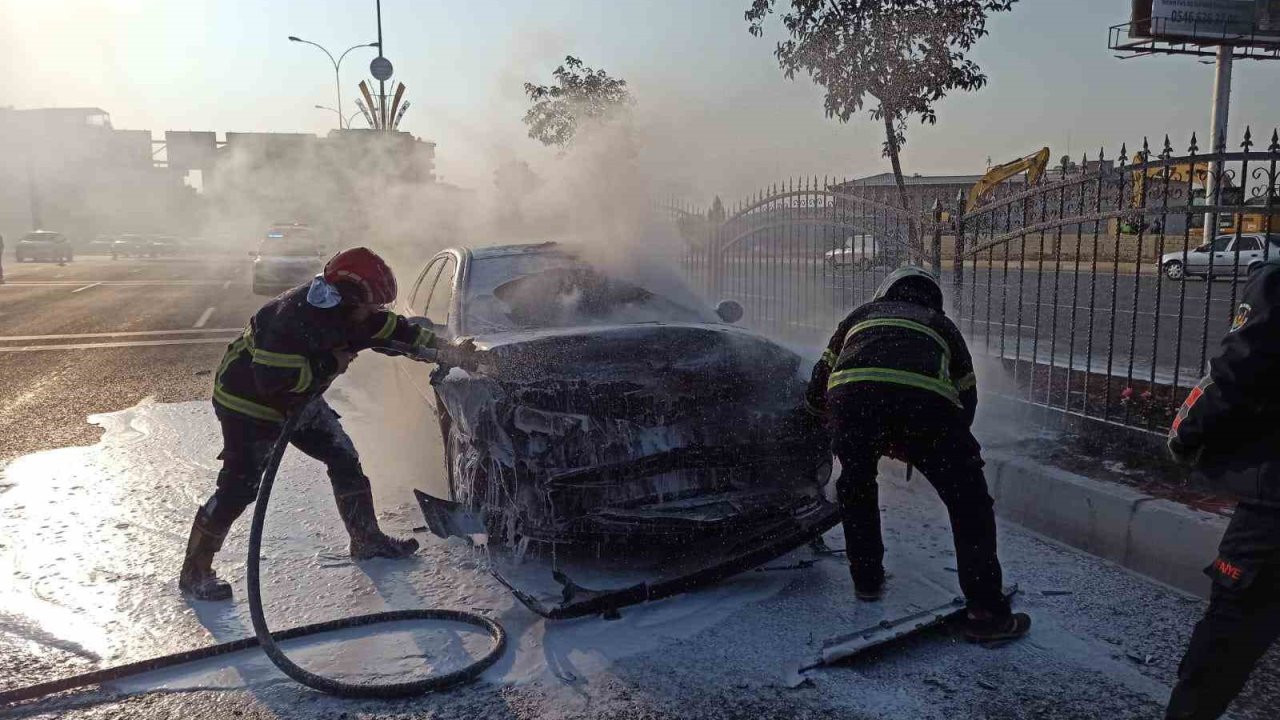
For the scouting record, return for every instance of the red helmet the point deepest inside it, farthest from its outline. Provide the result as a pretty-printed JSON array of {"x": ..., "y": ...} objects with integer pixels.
[{"x": 362, "y": 269}]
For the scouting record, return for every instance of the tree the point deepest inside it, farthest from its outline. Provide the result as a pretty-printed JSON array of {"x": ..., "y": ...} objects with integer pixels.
[
  {"x": 579, "y": 92},
  {"x": 716, "y": 213},
  {"x": 904, "y": 54}
]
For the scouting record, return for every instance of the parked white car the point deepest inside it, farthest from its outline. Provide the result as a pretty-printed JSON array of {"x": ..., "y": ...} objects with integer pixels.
[
  {"x": 858, "y": 252},
  {"x": 1223, "y": 257}
]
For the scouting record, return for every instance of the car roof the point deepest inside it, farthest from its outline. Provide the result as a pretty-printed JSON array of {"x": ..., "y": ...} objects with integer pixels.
[
  {"x": 42, "y": 232},
  {"x": 518, "y": 249}
]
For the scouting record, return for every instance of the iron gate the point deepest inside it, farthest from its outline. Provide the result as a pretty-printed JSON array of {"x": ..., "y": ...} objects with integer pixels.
[{"x": 1092, "y": 290}]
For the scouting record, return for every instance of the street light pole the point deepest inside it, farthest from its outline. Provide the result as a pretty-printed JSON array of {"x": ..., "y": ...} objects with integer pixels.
[
  {"x": 333, "y": 110},
  {"x": 337, "y": 81},
  {"x": 382, "y": 85}
]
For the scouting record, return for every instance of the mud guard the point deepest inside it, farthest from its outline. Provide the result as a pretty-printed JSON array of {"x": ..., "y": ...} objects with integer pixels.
[
  {"x": 580, "y": 601},
  {"x": 447, "y": 519}
]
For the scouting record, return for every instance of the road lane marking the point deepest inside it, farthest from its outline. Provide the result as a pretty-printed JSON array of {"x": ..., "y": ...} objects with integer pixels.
[
  {"x": 110, "y": 283},
  {"x": 133, "y": 344},
  {"x": 132, "y": 333},
  {"x": 204, "y": 317},
  {"x": 86, "y": 287}
]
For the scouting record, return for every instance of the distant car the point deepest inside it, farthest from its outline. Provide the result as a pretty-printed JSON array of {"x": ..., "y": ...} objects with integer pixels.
[
  {"x": 100, "y": 245},
  {"x": 288, "y": 256},
  {"x": 43, "y": 245},
  {"x": 1223, "y": 257},
  {"x": 165, "y": 245},
  {"x": 858, "y": 252},
  {"x": 130, "y": 245}
]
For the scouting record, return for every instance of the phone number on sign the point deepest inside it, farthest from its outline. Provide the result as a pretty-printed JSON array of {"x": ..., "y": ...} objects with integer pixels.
[{"x": 1201, "y": 16}]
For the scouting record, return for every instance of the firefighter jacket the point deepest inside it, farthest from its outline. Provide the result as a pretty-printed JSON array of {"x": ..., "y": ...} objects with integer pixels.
[
  {"x": 1230, "y": 421},
  {"x": 901, "y": 344},
  {"x": 287, "y": 353}
]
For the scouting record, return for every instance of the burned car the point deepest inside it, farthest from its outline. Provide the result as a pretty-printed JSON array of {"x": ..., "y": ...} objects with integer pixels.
[{"x": 612, "y": 422}]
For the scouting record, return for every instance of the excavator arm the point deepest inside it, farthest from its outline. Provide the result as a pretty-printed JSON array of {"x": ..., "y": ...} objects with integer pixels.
[{"x": 1034, "y": 165}]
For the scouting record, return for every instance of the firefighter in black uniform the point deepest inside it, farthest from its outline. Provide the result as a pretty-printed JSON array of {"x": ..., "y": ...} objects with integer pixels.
[
  {"x": 1228, "y": 430},
  {"x": 897, "y": 380},
  {"x": 292, "y": 349}
]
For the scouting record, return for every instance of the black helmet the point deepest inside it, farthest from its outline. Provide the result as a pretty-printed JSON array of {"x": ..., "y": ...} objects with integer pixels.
[{"x": 911, "y": 284}]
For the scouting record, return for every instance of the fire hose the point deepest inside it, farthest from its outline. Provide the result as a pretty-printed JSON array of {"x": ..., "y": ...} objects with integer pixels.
[{"x": 269, "y": 640}]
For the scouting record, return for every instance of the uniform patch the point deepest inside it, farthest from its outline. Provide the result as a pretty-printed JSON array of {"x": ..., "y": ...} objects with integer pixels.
[
  {"x": 1241, "y": 317},
  {"x": 1229, "y": 574}
]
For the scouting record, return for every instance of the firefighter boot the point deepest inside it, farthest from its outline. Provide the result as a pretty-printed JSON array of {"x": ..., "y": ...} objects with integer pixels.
[
  {"x": 367, "y": 539},
  {"x": 197, "y": 578}
]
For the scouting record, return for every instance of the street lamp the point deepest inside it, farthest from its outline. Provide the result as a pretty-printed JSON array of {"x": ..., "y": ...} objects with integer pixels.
[
  {"x": 336, "y": 64},
  {"x": 326, "y": 107}
]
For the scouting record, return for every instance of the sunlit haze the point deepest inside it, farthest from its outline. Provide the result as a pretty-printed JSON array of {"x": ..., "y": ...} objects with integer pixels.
[{"x": 717, "y": 113}]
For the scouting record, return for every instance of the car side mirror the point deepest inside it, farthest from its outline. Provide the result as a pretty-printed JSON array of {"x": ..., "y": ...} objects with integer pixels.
[{"x": 729, "y": 311}]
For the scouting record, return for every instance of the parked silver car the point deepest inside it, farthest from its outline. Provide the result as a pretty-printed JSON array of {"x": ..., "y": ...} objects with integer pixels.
[{"x": 1223, "y": 257}]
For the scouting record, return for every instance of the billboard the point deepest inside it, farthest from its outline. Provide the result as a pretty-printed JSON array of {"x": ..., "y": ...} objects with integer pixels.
[
  {"x": 1213, "y": 22},
  {"x": 190, "y": 150}
]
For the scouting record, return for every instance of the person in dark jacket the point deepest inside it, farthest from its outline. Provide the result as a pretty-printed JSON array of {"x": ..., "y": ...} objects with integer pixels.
[
  {"x": 896, "y": 379},
  {"x": 294, "y": 346},
  {"x": 1228, "y": 431}
]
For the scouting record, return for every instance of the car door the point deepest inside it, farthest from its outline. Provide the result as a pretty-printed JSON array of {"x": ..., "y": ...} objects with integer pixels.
[
  {"x": 1215, "y": 254},
  {"x": 1248, "y": 248},
  {"x": 419, "y": 374}
]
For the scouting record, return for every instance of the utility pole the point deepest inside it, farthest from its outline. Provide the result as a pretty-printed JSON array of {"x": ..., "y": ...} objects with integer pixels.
[{"x": 1218, "y": 136}]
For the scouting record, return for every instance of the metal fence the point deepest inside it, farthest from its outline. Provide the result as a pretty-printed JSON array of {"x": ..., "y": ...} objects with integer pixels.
[{"x": 1094, "y": 291}]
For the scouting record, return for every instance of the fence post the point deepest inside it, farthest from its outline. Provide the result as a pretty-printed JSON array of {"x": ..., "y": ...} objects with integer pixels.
[{"x": 957, "y": 260}]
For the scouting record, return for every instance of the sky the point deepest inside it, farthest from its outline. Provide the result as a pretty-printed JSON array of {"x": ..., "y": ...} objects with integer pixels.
[{"x": 715, "y": 113}]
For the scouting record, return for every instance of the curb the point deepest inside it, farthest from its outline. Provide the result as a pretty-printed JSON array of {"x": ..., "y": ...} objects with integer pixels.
[{"x": 1151, "y": 536}]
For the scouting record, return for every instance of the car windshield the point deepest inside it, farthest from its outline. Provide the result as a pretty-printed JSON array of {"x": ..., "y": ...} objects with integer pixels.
[
  {"x": 290, "y": 243},
  {"x": 551, "y": 290}
]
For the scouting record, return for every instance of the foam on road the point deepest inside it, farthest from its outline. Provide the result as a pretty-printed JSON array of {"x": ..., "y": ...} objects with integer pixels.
[{"x": 92, "y": 537}]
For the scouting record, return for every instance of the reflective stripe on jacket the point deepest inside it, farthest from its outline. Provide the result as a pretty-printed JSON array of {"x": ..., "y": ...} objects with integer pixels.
[
  {"x": 287, "y": 352},
  {"x": 901, "y": 343}
]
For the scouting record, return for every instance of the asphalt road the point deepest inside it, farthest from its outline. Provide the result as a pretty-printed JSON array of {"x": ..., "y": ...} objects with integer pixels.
[
  {"x": 98, "y": 335},
  {"x": 1095, "y": 320}
]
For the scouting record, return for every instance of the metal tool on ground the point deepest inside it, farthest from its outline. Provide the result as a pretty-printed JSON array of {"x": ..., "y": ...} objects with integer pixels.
[
  {"x": 268, "y": 640},
  {"x": 885, "y": 632}
]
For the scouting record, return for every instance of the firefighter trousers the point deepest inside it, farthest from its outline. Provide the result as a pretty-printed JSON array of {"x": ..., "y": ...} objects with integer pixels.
[
  {"x": 246, "y": 444},
  {"x": 869, "y": 420},
  {"x": 1243, "y": 619}
]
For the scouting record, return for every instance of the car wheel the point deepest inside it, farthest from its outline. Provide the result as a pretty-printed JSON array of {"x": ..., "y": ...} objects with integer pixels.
[{"x": 1174, "y": 270}]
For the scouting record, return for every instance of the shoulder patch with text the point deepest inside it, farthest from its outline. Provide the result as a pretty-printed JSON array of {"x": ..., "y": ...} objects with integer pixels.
[{"x": 1242, "y": 317}]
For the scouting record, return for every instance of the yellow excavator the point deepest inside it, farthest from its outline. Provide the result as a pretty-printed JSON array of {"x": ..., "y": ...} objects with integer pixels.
[{"x": 1034, "y": 165}]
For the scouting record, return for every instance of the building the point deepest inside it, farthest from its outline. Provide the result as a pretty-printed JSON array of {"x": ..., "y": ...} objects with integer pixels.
[
  {"x": 922, "y": 190},
  {"x": 70, "y": 170}
]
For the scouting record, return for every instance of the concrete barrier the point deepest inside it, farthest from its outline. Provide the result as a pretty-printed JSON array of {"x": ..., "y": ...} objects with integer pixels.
[{"x": 1163, "y": 540}]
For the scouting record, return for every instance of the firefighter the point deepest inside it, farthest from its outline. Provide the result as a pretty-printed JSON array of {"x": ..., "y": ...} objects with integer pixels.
[
  {"x": 897, "y": 380},
  {"x": 1227, "y": 431},
  {"x": 294, "y": 346}
]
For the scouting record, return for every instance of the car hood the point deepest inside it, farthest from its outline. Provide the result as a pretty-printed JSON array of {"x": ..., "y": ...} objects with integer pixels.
[{"x": 671, "y": 351}]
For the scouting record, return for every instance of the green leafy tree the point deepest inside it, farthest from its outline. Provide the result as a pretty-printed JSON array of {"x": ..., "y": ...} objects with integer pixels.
[
  {"x": 578, "y": 93},
  {"x": 895, "y": 57}
]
